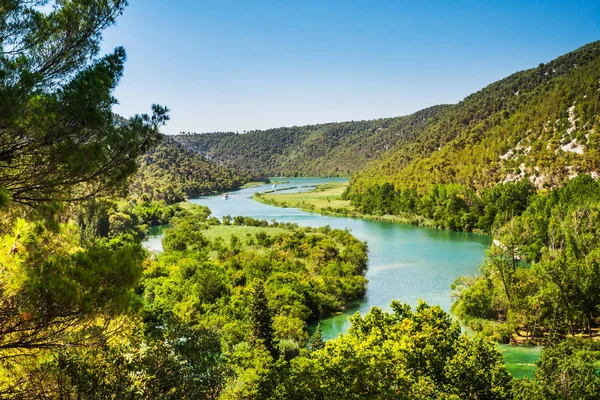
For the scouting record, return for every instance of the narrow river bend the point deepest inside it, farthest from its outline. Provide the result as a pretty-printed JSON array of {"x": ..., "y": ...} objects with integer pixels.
[{"x": 406, "y": 262}]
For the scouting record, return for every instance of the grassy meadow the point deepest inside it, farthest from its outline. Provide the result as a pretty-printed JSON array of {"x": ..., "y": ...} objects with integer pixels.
[{"x": 327, "y": 199}]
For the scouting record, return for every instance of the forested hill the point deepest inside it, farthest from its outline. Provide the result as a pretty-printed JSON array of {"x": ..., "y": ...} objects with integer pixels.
[
  {"x": 172, "y": 173},
  {"x": 541, "y": 124},
  {"x": 334, "y": 149}
]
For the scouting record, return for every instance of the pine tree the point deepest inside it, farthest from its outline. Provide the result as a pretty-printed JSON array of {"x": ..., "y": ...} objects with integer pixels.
[
  {"x": 316, "y": 340},
  {"x": 59, "y": 139},
  {"x": 261, "y": 321}
]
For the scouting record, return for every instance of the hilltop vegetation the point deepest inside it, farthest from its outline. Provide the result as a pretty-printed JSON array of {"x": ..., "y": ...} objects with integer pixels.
[
  {"x": 540, "y": 124},
  {"x": 335, "y": 149},
  {"x": 172, "y": 173}
]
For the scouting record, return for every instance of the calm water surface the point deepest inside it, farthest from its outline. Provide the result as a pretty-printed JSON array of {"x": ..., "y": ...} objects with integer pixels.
[{"x": 406, "y": 263}]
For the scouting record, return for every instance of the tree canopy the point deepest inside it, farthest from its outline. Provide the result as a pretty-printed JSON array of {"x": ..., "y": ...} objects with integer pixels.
[
  {"x": 60, "y": 142},
  {"x": 86, "y": 312},
  {"x": 58, "y": 136}
]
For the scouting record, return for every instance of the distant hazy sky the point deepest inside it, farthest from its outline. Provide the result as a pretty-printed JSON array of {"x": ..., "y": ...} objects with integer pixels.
[{"x": 240, "y": 65}]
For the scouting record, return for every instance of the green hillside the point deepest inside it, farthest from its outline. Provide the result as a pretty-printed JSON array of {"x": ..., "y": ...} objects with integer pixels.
[
  {"x": 541, "y": 124},
  {"x": 334, "y": 149},
  {"x": 172, "y": 173}
]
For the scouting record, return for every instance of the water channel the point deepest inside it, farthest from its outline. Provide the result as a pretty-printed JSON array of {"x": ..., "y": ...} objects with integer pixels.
[{"x": 406, "y": 262}]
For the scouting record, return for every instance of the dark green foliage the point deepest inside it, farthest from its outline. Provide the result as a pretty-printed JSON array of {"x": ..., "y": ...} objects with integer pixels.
[
  {"x": 335, "y": 149},
  {"x": 114, "y": 221},
  {"x": 261, "y": 321},
  {"x": 385, "y": 199},
  {"x": 170, "y": 172},
  {"x": 58, "y": 140},
  {"x": 450, "y": 206},
  {"x": 558, "y": 290},
  {"x": 502, "y": 202}
]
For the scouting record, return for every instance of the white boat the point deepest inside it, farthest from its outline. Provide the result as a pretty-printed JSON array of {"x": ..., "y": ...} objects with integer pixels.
[{"x": 224, "y": 196}]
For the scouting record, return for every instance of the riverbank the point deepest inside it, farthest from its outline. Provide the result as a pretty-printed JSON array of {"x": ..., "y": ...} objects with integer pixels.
[
  {"x": 326, "y": 199},
  {"x": 406, "y": 262},
  {"x": 252, "y": 184}
]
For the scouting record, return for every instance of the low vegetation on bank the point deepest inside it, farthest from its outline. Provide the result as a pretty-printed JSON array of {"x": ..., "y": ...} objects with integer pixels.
[
  {"x": 328, "y": 199},
  {"x": 208, "y": 267},
  {"x": 252, "y": 184}
]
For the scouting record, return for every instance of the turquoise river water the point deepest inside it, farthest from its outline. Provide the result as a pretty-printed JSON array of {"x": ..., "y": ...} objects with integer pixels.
[{"x": 406, "y": 262}]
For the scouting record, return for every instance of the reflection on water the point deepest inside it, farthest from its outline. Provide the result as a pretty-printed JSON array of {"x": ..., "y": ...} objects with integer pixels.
[
  {"x": 153, "y": 241},
  {"x": 520, "y": 360}
]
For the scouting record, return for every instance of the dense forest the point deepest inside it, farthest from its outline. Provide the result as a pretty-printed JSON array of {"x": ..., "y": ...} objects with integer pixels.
[
  {"x": 87, "y": 313},
  {"x": 335, "y": 149},
  {"x": 541, "y": 279},
  {"x": 172, "y": 173},
  {"x": 448, "y": 206}
]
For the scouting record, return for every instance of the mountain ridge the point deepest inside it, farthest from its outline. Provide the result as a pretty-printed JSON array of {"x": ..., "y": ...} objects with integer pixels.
[
  {"x": 330, "y": 149},
  {"x": 497, "y": 134},
  {"x": 527, "y": 114}
]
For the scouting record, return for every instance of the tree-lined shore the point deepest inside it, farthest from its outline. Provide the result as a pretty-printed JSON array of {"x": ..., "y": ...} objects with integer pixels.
[{"x": 87, "y": 313}]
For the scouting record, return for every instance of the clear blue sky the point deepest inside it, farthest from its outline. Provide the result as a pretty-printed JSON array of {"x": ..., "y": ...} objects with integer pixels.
[{"x": 241, "y": 65}]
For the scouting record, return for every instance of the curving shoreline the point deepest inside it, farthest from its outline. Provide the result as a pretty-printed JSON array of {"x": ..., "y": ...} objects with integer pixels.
[
  {"x": 326, "y": 200},
  {"x": 432, "y": 258}
]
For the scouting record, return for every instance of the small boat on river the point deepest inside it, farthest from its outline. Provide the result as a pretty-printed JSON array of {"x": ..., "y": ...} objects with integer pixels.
[{"x": 224, "y": 196}]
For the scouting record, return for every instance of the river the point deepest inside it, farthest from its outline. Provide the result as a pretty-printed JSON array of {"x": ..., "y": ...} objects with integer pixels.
[{"x": 406, "y": 262}]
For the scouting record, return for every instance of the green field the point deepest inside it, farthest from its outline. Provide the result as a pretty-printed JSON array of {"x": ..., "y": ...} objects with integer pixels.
[
  {"x": 520, "y": 360},
  {"x": 252, "y": 184},
  {"x": 226, "y": 231},
  {"x": 327, "y": 199},
  {"x": 323, "y": 197}
]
